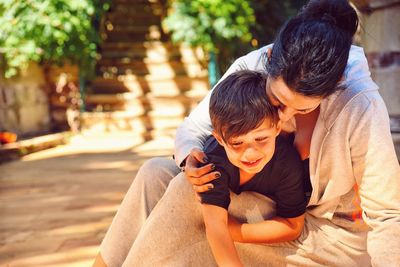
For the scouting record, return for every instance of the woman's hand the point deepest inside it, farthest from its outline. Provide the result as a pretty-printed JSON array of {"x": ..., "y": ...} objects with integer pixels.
[{"x": 200, "y": 177}]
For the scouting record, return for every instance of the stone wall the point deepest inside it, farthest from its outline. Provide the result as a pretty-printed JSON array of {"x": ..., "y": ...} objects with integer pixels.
[
  {"x": 24, "y": 103},
  {"x": 380, "y": 37}
]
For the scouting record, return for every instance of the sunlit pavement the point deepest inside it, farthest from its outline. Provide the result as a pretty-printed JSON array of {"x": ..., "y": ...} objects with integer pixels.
[{"x": 56, "y": 205}]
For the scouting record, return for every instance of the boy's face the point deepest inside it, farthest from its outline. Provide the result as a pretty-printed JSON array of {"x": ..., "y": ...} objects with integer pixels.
[{"x": 252, "y": 151}]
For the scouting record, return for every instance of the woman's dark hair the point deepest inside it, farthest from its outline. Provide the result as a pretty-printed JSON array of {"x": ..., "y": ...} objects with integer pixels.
[
  {"x": 312, "y": 49},
  {"x": 239, "y": 104}
]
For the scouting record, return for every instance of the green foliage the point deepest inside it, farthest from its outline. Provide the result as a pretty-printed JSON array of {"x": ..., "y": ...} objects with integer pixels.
[
  {"x": 270, "y": 16},
  {"x": 50, "y": 32},
  {"x": 207, "y": 23},
  {"x": 227, "y": 27}
]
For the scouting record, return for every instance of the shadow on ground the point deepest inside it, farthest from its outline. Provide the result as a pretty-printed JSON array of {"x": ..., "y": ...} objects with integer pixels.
[{"x": 56, "y": 205}]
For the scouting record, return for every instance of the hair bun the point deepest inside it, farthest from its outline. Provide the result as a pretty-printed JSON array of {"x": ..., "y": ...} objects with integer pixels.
[{"x": 335, "y": 12}]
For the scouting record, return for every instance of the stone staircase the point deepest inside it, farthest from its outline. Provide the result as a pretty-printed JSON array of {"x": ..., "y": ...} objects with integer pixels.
[{"x": 144, "y": 82}]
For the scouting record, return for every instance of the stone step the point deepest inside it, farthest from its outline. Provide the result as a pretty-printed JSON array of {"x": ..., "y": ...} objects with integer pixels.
[
  {"x": 147, "y": 126},
  {"x": 154, "y": 59},
  {"x": 151, "y": 34},
  {"x": 138, "y": 1},
  {"x": 141, "y": 85},
  {"x": 21, "y": 148},
  {"x": 151, "y": 50},
  {"x": 147, "y": 100},
  {"x": 139, "y": 8},
  {"x": 133, "y": 28},
  {"x": 116, "y": 18},
  {"x": 113, "y": 20},
  {"x": 137, "y": 45},
  {"x": 125, "y": 66},
  {"x": 138, "y": 133},
  {"x": 130, "y": 120},
  {"x": 144, "y": 105},
  {"x": 147, "y": 56}
]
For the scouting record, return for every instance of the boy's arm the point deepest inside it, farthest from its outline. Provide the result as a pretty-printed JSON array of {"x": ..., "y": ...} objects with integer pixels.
[
  {"x": 221, "y": 243},
  {"x": 277, "y": 229}
]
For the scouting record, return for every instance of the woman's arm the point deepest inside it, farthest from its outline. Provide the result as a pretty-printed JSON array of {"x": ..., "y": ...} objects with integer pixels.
[
  {"x": 221, "y": 243},
  {"x": 377, "y": 173},
  {"x": 269, "y": 231}
]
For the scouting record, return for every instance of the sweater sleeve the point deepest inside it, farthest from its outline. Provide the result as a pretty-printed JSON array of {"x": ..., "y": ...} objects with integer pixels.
[{"x": 377, "y": 174}]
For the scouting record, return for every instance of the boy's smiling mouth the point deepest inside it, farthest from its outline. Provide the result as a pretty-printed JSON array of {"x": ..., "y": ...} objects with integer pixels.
[{"x": 251, "y": 164}]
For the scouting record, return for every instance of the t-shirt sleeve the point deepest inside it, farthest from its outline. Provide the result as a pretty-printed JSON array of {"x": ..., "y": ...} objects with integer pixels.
[
  {"x": 220, "y": 194},
  {"x": 290, "y": 197}
]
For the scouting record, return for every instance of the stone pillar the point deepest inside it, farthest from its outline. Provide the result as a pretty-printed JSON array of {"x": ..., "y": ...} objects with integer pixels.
[
  {"x": 380, "y": 37},
  {"x": 24, "y": 103}
]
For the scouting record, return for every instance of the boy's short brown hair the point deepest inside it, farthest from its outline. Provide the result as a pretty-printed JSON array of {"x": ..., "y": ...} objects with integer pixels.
[{"x": 239, "y": 104}]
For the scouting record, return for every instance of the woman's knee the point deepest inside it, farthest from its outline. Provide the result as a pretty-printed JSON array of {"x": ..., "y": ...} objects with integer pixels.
[
  {"x": 158, "y": 167},
  {"x": 181, "y": 184}
]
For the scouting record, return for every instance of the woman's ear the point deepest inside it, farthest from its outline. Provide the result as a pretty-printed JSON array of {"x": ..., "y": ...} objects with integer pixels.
[
  {"x": 218, "y": 138},
  {"x": 269, "y": 53}
]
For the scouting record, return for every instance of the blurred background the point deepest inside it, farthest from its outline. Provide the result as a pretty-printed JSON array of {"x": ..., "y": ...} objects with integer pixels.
[{"x": 90, "y": 89}]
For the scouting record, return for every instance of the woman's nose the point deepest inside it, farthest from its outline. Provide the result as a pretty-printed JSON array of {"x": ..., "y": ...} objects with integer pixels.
[{"x": 286, "y": 113}]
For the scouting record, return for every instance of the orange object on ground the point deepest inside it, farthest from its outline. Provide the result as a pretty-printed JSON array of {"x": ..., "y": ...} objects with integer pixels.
[{"x": 7, "y": 137}]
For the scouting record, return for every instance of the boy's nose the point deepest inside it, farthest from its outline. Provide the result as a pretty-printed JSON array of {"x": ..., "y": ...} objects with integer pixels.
[{"x": 251, "y": 154}]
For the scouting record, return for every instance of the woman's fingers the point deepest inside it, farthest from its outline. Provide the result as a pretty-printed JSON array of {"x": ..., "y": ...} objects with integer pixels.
[
  {"x": 196, "y": 156},
  {"x": 201, "y": 189},
  {"x": 202, "y": 180},
  {"x": 200, "y": 177},
  {"x": 194, "y": 171}
]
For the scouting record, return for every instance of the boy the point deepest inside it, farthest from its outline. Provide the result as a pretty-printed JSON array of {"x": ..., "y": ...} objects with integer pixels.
[{"x": 249, "y": 154}]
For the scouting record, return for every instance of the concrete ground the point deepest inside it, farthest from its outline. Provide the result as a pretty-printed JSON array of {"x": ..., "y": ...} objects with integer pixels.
[{"x": 56, "y": 205}]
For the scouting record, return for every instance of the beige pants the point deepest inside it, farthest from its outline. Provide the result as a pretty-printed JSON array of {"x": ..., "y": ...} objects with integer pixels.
[{"x": 173, "y": 233}]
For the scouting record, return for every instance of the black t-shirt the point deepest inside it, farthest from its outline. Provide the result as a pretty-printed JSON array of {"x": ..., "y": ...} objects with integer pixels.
[{"x": 281, "y": 179}]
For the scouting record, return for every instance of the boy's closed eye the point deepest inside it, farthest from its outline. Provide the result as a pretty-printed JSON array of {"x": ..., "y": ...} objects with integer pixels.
[
  {"x": 235, "y": 143},
  {"x": 261, "y": 139}
]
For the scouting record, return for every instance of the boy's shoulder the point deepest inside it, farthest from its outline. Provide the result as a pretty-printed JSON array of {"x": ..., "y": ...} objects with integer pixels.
[
  {"x": 285, "y": 152},
  {"x": 211, "y": 146},
  {"x": 217, "y": 155}
]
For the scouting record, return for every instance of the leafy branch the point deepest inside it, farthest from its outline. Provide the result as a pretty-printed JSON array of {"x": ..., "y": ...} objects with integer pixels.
[{"x": 51, "y": 32}]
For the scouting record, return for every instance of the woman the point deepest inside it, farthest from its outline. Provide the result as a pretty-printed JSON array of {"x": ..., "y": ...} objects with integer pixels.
[{"x": 322, "y": 86}]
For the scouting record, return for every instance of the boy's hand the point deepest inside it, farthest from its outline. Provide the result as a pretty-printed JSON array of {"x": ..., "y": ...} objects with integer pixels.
[{"x": 200, "y": 177}]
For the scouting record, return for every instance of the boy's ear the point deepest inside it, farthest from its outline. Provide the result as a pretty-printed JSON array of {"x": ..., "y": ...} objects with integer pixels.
[
  {"x": 278, "y": 127},
  {"x": 218, "y": 138}
]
